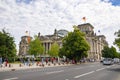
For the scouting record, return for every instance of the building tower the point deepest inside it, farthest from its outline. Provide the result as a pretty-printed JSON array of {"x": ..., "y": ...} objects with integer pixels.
[{"x": 96, "y": 42}]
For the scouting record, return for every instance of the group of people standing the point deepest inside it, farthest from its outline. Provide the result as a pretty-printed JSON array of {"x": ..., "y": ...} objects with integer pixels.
[
  {"x": 42, "y": 60},
  {"x": 27, "y": 61},
  {"x": 3, "y": 62}
]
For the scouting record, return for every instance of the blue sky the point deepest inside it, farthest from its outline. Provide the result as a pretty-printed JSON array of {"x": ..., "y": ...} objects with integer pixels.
[
  {"x": 114, "y": 2},
  {"x": 43, "y": 16},
  {"x": 25, "y": 1}
]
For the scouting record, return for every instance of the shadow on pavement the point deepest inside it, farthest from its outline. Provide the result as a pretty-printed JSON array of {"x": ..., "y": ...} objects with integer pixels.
[{"x": 114, "y": 69}]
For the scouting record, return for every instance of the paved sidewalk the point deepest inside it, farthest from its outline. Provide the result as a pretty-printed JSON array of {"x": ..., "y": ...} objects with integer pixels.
[{"x": 14, "y": 67}]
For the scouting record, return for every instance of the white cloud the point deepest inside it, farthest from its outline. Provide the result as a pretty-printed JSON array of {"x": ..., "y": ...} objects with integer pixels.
[{"x": 45, "y": 15}]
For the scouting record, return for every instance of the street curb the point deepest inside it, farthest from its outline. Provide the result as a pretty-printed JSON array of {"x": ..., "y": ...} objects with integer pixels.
[{"x": 25, "y": 68}]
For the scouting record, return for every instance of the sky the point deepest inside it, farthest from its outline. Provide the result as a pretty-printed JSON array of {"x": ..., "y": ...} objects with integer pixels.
[{"x": 19, "y": 16}]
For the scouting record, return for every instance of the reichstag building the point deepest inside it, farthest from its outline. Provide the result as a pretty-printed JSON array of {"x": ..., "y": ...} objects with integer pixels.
[{"x": 97, "y": 42}]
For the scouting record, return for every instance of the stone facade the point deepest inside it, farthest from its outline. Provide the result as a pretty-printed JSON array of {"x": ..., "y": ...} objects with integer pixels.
[
  {"x": 48, "y": 40},
  {"x": 24, "y": 45},
  {"x": 96, "y": 42}
]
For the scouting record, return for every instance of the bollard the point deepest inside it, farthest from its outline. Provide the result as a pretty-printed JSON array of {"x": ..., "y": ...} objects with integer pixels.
[
  {"x": 49, "y": 64},
  {"x": 9, "y": 65},
  {"x": 43, "y": 65},
  {"x": 20, "y": 65},
  {"x": 29, "y": 65},
  {"x": 12, "y": 69},
  {"x": 59, "y": 64},
  {"x": 63, "y": 63},
  {"x": 37, "y": 64},
  {"x": 40, "y": 64},
  {"x": 1, "y": 66}
]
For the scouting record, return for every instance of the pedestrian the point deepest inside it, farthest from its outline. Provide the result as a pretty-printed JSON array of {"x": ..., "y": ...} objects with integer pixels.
[
  {"x": 33, "y": 61},
  {"x": 42, "y": 61},
  {"x": 46, "y": 61},
  {"x": 52, "y": 60},
  {"x": 21, "y": 60},
  {"x": 6, "y": 62},
  {"x": 0, "y": 61},
  {"x": 28, "y": 61},
  {"x": 24, "y": 61}
]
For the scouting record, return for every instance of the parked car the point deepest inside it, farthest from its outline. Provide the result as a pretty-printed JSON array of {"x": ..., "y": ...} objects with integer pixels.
[
  {"x": 108, "y": 61},
  {"x": 116, "y": 60}
]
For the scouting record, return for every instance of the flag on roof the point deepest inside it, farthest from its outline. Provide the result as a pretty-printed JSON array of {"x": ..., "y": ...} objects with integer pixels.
[
  {"x": 84, "y": 19},
  {"x": 99, "y": 31},
  {"x": 26, "y": 32}
]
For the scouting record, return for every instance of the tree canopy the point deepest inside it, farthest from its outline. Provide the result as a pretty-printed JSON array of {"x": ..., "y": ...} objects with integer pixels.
[
  {"x": 117, "y": 40},
  {"x": 109, "y": 52},
  {"x": 54, "y": 50},
  {"x": 35, "y": 47},
  {"x": 75, "y": 45},
  {"x": 7, "y": 45}
]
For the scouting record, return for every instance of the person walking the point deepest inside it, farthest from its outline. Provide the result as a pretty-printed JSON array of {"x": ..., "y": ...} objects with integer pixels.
[
  {"x": 46, "y": 61},
  {"x": 0, "y": 61},
  {"x": 33, "y": 61},
  {"x": 6, "y": 62}
]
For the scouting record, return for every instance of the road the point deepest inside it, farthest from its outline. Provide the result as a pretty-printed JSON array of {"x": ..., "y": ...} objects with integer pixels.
[{"x": 89, "y": 71}]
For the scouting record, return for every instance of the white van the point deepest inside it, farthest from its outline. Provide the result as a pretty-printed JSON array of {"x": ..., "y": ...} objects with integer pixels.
[{"x": 116, "y": 60}]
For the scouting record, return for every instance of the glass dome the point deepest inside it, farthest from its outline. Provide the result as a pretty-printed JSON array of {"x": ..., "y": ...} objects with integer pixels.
[{"x": 62, "y": 33}]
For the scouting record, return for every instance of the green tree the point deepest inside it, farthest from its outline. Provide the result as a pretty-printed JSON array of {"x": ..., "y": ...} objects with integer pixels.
[
  {"x": 117, "y": 40},
  {"x": 7, "y": 46},
  {"x": 109, "y": 52},
  {"x": 106, "y": 52},
  {"x": 54, "y": 50},
  {"x": 114, "y": 52},
  {"x": 75, "y": 45},
  {"x": 61, "y": 52},
  {"x": 35, "y": 47},
  {"x": 118, "y": 54}
]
